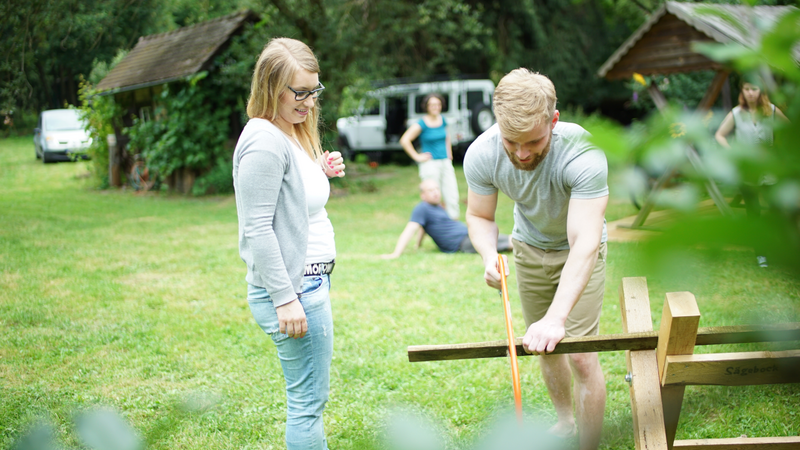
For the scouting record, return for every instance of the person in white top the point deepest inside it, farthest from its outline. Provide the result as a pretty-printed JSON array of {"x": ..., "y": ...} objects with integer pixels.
[
  {"x": 285, "y": 237},
  {"x": 752, "y": 123}
]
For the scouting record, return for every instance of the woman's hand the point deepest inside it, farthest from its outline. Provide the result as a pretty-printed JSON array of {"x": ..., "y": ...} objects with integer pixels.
[
  {"x": 422, "y": 157},
  {"x": 333, "y": 163},
  {"x": 292, "y": 319}
]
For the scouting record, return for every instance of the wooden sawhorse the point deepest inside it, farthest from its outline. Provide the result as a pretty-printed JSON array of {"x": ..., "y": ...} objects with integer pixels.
[
  {"x": 661, "y": 364},
  {"x": 659, "y": 377}
]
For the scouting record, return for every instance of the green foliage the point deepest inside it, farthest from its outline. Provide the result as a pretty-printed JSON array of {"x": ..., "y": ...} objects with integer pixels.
[
  {"x": 135, "y": 302},
  {"x": 101, "y": 114},
  {"x": 218, "y": 180},
  {"x": 47, "y": 45},
  {"x": 684, "y": 90},
  {"x": 352, "y": 96},
  {"x": 660, "y": 144},
  {"x": 188, "y": 130}
]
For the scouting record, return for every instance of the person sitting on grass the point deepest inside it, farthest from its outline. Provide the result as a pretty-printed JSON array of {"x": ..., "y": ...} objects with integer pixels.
[{"x": 430, "y": 217}]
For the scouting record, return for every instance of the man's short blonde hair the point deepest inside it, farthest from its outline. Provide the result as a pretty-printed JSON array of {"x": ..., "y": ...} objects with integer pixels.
[{"x": 523, "y": 100}]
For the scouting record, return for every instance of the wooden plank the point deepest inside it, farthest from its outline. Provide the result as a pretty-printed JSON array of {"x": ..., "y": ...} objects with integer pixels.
[
  {"x": 609, "y": 342},
  {"x": 678, "y": 36},
  {"x": 678, "y": 332},
  {"x": 748, "y": 334},
  {"x": 646, "y": 406},
  {"x": 494, "y": 349},
  {"x": 676, "y": 336},
  {"x": 734, "y": 369},
  {"x": 698, "y": 62},
  {"x": 662, "y": 52},
  {"x": 672, "y": 402},
  {"x": 741, "y": 443},
  {"x": 627, "y": 73}
]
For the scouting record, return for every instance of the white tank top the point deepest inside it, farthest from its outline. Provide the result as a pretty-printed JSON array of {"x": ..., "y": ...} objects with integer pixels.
[
  {"x": 321, "y": 246},
  {"x": 758, "y": 132}
]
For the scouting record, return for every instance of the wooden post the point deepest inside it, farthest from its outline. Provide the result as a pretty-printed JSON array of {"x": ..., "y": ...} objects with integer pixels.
[
  {"x": 726, "y": 96},
  {"x": 677, "y": 336},
  {"x": 646, "y": 406},
  {"x": 720, "y": 80},
  {"x": 114, "y": 178},
  {"x": 658, "y": 97},
  {"x": 733, "y": 369}
]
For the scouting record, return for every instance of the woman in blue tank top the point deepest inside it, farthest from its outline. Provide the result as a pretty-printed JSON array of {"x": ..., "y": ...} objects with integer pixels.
[{"x": 436, "y": 156}]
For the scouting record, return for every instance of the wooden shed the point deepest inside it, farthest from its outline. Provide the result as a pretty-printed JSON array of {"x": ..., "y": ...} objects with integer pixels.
[
  {"x": 663, "y": 44},
  {"x": 156, "y": 60}
]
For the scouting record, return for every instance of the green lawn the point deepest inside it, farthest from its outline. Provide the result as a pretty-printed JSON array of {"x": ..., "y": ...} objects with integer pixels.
[{"x": 137, "y": 302}]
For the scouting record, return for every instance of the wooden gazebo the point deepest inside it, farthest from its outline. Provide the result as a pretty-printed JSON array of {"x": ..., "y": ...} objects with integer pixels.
[{"x": 664, "y": 45}]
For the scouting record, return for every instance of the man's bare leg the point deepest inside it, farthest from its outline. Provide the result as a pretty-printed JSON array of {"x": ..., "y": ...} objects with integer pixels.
[
  {"x": 558, "y": 378},
  {"x": 590, "y": 398}
]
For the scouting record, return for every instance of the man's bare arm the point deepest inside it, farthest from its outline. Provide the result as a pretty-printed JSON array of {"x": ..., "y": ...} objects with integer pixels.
[
  {"x": 420, "y": 237},
  {"x": 405, "y": 238},
  {"x": 584, "y": 231},
  {"x": 483, "y": 233}
]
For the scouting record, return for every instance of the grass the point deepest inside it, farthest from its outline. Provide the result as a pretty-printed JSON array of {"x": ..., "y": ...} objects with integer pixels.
[{"x": 137, "y": 302}]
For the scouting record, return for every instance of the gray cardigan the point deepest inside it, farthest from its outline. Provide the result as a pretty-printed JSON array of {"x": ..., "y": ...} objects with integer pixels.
[{"x": 271, "y": 205}]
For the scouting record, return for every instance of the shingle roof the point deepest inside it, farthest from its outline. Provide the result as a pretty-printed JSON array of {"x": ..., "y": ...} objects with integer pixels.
[
  {"x": 663, "y": 44},
  {"x": 165, "y": 57}
]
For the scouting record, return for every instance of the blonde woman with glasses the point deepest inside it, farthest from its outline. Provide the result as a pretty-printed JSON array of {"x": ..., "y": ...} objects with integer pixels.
[{"x": 280, "y": 176}]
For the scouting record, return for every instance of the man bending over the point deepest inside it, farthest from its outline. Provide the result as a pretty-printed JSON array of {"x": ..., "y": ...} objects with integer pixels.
[{"x": 558, "y": 182}]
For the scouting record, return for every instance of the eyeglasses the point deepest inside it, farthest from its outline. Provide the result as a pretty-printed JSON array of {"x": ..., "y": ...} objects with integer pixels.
[{"x": 302, "y": 95}]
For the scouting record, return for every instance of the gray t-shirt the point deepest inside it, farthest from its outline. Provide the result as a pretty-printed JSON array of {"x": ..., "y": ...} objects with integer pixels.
[{"x": 574, "y": 168}]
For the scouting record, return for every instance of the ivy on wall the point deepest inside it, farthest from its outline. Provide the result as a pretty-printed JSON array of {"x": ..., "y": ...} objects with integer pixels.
[{"x": 194, "y": 124}]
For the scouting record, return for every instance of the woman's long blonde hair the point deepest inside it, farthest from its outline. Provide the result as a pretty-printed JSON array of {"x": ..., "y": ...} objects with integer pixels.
[
  {"x": 279, "y": 62},
  {"x": 763, "y": 104}
]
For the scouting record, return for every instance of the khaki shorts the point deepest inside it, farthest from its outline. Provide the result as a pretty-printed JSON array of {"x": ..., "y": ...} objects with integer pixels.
[{"x": 538, "y": 274}]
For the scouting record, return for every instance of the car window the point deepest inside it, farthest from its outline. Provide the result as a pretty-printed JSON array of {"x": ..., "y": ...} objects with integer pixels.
[
  {"x": 63, "y": 121},
  {"x": 473, "y": 98},
  {"x": 419, "y": 109}
]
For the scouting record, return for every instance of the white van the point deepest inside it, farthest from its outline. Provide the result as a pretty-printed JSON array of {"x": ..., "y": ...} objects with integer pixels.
[{"x": 384, "y": 114}]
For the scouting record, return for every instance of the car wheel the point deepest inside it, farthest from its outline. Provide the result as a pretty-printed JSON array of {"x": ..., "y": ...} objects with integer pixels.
[
  {"x": 482, "y": 118},
  {"x": 45, "y": 158},
  {"x": 36, "y": 152}
]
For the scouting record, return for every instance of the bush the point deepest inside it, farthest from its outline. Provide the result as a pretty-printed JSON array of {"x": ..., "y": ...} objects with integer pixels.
[
  {"x": 219, "y": 180},
  {"x": 101, "y": 114}
]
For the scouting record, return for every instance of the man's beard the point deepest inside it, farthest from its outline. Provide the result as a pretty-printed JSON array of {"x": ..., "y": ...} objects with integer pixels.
[{"x": 534, "y": 163}]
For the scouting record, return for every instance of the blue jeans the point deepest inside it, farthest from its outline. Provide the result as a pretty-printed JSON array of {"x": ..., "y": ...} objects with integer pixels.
[{"x": 306, "y": 361}]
